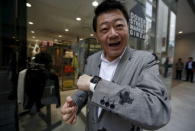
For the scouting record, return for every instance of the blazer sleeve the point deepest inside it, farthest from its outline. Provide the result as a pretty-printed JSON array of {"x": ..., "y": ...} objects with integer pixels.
[{"x": 146, "y": 105}]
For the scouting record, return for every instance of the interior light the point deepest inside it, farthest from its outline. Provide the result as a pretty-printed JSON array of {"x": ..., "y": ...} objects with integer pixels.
[
  {"x": 81, "y": 39},
  {"x": 32, "y": 31},
  {"x": 180, "y": 32},
  {"x": 95, "y": 3},
  {"x": 31, "y": 23},
  {"x": 66, "y": 30},
  {"x": 91, "y": 35},
  {"x": 28, "y": 5},
  {"x": 60, "y": 36},
  {"x": 78, "y": 19},
  {"x": 33, "y": 37}
]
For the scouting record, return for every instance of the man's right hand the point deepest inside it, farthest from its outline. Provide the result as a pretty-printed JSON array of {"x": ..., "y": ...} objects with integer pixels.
[{"x": 69, "y": 111}]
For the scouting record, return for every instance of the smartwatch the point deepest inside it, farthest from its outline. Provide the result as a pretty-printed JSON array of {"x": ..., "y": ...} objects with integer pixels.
[{"x": 93, "y": 82}]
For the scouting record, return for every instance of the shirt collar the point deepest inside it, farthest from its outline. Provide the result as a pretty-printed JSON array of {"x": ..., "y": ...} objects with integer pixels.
[{"x": 103, "y": 58}]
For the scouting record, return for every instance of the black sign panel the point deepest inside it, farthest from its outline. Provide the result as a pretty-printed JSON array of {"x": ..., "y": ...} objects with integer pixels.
[{"x": 137, "y": 22}]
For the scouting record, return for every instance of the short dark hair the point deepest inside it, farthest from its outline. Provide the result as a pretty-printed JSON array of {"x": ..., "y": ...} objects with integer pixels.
[{"x": 109, "y": 5}]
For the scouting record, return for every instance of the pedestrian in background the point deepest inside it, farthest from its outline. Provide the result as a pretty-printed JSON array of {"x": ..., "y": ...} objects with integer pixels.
[
  {"x": 179, "y": 68},
  {"x": 190, "y": 68}
]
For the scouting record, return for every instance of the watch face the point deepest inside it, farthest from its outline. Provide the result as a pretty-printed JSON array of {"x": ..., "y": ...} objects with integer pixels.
[{"x": 95, "y": 79}]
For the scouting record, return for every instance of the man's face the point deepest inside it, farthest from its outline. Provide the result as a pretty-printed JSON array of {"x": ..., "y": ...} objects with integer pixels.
[{"x": 112, "y": 33}]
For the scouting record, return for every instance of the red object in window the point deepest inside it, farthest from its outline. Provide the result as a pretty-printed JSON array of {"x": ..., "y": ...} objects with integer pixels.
[{"x": 68, "y": 69}]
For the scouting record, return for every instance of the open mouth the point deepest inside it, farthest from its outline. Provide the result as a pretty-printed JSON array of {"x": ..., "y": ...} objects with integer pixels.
[{"x": 114, "y": 44}]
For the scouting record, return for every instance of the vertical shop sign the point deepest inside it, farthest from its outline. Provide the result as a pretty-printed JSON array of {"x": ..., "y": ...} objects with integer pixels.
[{"x": 137, "y": 21}]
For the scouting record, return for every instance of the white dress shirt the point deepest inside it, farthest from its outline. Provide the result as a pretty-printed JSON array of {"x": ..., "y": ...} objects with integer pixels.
[{"x": 190, "y": 65}]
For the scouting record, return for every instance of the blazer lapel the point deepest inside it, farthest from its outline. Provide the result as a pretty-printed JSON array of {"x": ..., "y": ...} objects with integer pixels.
[
  {"x": 118, "y": 75},
  {"x": 95, "y": 72},
  {"x": 96, "y": 65}
]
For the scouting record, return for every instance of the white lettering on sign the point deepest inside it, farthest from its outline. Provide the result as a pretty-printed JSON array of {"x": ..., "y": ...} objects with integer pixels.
[{"x": 137, "y": 26}]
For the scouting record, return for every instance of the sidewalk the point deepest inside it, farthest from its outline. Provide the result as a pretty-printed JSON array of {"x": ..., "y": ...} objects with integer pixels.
[{"x": 183, "y": 108}]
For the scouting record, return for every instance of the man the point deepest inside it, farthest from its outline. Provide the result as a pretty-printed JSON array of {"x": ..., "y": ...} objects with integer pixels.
[
  {"x": 122, "y": 87},
  {"x": 190, "y": 67},
  {"x": 179, "y": 68}
]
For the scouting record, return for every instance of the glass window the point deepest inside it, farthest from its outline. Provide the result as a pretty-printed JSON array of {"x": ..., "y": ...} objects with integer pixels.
[
  {"x": 162, "y": 18},
  {"x": 172, "y": 29},
  {"x": 172, "y": 25},
  {"x": 148, "y": 42},
  {"x": 148, "y": 9}
]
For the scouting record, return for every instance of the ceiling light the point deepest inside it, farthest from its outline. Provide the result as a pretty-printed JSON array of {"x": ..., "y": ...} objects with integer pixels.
[
  {"x": 55, "y": 40},
  {"x": 28, "y": 4},
  {"x": 180, "y": 32},
  {"x": 31, "y": 23},
  {"x": 60, "y": 36},
  {"x": 33, "y": 37},
  {"x": 78, "y": 19},
  {"x": 66, "y": 30},
  {"x": 81, "y": 39},
  {"x": 95, "y": 3},
  {"x": 91, "y": 35},
  {"x": 32, "y": 31}
]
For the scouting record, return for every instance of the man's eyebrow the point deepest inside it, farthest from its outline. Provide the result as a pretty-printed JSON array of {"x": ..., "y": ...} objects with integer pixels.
[{"x": 106, "y": 22}]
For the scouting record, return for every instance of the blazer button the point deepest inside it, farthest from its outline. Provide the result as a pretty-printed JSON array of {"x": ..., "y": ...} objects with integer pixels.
[
  {"x": 107, "y": 104},
  {"x": 112, "y": 106},
  {"x": 102, "y": 101}
]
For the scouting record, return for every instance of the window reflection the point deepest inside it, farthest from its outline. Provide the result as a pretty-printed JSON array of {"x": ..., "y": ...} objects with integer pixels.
[
  {"x": 172, "y": 29},
  {"x": 148, "y": 9},
  {"x": 162, "y": 28}
]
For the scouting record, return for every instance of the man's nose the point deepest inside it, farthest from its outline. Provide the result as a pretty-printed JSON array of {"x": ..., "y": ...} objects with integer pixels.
[{"x": 113, "y": 33}]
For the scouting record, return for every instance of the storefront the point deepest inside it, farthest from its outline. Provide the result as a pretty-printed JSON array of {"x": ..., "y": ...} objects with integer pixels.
[{"x": 52, "y": 25}]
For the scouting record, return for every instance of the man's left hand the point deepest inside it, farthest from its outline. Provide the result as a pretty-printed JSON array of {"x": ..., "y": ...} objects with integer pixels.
[{"x": 84, "y": 82}]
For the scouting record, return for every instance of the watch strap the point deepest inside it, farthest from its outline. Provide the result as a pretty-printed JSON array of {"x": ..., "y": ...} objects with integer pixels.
[{"x": 92, "y": 86}]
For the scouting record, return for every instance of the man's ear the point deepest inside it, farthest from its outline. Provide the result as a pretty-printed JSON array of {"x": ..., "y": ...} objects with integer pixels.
[{"x": 95, "y": 34}]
